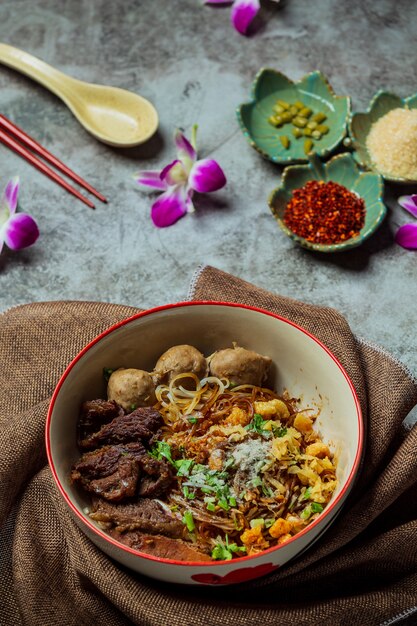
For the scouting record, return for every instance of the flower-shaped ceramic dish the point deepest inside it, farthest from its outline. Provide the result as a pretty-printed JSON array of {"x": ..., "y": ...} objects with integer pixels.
[
  {"x": 314, "y": 91},
  {"x": 340, "y": 169},
  {"x": 360, "y": 124}
]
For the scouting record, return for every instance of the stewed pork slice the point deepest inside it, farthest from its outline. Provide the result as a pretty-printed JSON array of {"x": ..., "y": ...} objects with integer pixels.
[
  {"x": 180, "y": 360},
  {"x": 240, "y": 366},
  {"x": 95, "y": 413},
  {"x": 141, "y": 424},
  {"x": 148, "y": 515},
  {"x": 111, "y": 471},
  {"x": 131, "y": 388},
  {"x": 121, "y": 471},
  {"x": 160, "y": 546}
]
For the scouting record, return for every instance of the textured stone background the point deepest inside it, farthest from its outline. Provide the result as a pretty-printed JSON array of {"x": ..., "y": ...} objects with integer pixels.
[{"x": 192, "y": 65}]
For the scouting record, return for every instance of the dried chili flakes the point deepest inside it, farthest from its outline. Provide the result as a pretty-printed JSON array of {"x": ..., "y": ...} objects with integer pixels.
[{"x": 326, "y": 213}]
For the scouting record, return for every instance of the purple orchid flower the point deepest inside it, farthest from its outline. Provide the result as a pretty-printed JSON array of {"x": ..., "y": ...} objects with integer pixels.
[
  {"x": 179, "y": 180},
  {"x": 17, "y": 230},
  {"x": 243, "y": 12},
  {"x": 406, "y": 235}
]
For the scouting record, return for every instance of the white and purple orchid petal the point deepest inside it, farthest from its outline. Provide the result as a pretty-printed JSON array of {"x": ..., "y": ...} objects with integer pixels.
[
  {"x": 11, "y": 193},
  {"x": 169, "y": 207},
  {"x": 20, "y": 231},
  {"x": 406, "y": 236},
  {"x": 174, "y": 173},
  {"x": 193, "y": 139},
  {"x": 151, "y": 178},
  {"x": 409, "y": 203},
  {"x": 8, "y": 200},
  {"x": 206, "y": 175},
  {"x": 184, "y": 147},
  {"x": 189, "y": 201},
  {"x": 243, "y": 13}
]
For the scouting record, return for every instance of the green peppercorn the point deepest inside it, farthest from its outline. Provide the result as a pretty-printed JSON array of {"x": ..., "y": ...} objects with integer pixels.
[
  {"x": 300, "y": 105},
  {"x": 306, "y": 112},
  {"x": 308, "y": 144},
  {"x": 307, "y": 132},
  {"x": 277, "y": 108},
  {"x": 285, "y": 141},
  {"x": 296, "y": 132},
  {"x": 299, "y": 121},
  {"x": 287, "y": 117},
  {"x": 319, "y": 117},
  {"x": 323, "y": 129},
  {"x": 312, "y": 125},
  {"x": 316, "y": 134},
  {"x": 284, "y": 104}
]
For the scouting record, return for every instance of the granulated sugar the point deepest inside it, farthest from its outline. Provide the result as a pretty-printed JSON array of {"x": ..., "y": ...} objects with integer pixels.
[{"x": 392, "y": 143}]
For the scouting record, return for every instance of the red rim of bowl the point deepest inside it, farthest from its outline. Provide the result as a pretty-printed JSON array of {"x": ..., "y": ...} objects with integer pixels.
[{"x": 203, "y": 564}]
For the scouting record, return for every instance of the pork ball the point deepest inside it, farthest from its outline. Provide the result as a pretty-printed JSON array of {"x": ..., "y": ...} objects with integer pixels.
[
  {"x": 240, "y": 366},
  {"x": 131, "y": 388},
  {"x": 180, "y": 360}
]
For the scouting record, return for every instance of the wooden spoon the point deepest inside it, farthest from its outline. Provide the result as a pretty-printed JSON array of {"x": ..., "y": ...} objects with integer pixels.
[{"x": 115, "y": 116}]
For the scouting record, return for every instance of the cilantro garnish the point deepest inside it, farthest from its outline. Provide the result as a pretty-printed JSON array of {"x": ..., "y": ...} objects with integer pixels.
[
  {"x": 256, "y": 425},
  {"x": 192, "y": 419},
  {"x": 209, "y": 482},
  {"x": 223, "y": 550},
  {"x": 162, "y": 450},
  {"x": 183, "y": 466},
  {"x": 279, "y": 431},
  {"x": 107, "y": 372}
]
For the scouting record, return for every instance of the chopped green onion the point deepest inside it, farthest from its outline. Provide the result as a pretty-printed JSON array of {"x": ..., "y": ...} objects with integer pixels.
[
  {"x": 316, "y": 507},
  {"x": 183, "y": 466},
  {"x": 255, "y": 523},
  {"x": 188, "y": 520},
  {"x": 223, "y": 550},
  {"x": 306, "y": 494}
]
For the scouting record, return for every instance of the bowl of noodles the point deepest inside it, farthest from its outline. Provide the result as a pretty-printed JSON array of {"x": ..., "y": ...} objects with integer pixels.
[{"x": 204, "y": 443}]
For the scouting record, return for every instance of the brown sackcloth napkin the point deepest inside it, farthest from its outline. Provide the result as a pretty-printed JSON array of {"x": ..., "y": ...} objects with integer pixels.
[{"x": 363, "y": 571}]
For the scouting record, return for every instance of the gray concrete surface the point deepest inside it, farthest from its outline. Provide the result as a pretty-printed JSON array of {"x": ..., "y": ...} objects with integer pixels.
[{"x": 191, "y": 64}]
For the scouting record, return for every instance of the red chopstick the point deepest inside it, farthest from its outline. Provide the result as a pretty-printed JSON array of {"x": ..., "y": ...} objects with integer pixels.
[{"x": 14, "y": 133}]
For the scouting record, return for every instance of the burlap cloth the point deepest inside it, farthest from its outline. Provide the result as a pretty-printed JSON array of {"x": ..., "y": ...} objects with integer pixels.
[{"x": 362, "y": 571}]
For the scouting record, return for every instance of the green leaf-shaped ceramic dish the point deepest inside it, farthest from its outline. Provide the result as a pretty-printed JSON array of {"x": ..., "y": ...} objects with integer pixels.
[
  {"x": 340, "y": 169},
  {"x": 314, "y": 91},
  {"x": 360, "y": 125}
]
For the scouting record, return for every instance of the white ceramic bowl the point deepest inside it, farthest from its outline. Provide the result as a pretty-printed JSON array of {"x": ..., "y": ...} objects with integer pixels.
[{"x": 301, "y": 364}]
